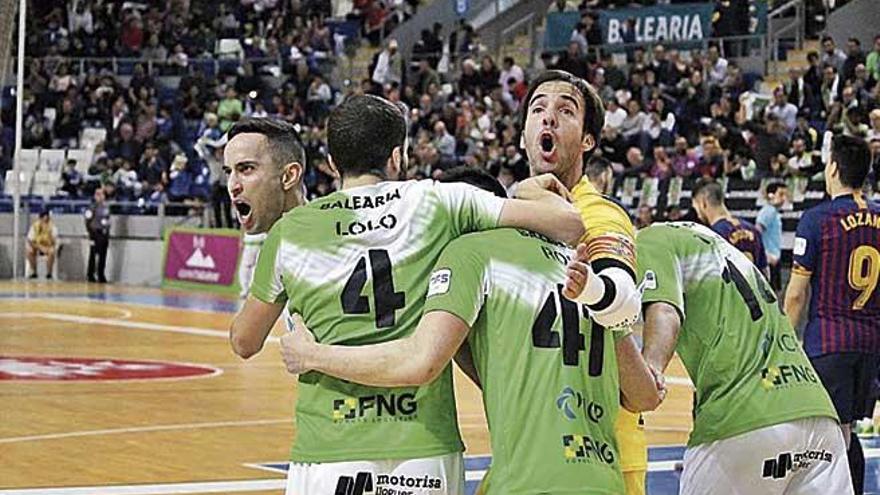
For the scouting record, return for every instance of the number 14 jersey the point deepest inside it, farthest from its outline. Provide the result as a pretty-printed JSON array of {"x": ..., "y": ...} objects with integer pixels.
[
  {"x": 738, "y": 347},
  {"x": 356, "y": 264}
]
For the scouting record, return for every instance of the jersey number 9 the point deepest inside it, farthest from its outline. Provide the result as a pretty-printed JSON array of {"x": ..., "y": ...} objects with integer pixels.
[{"x": 864, "y": 272}]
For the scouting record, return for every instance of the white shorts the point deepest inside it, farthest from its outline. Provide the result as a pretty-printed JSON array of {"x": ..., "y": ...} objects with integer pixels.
[
  {"x": 801, "y": 457},
  {"x": 440, "y": 475}
]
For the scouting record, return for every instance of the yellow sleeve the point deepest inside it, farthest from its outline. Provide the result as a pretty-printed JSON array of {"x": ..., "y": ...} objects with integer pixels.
[{"x": 609, "y": 232}]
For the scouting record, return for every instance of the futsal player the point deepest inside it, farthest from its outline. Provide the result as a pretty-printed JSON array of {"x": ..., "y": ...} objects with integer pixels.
[
  {"x": 264, "y": 161},
  {"x": 549, "y": 374},
  {"x": 562, "y": 121},
  {"x": 764, "y": 424},
  {"x": 356, "y": 264},
  {"x": 837, "y": 269}
]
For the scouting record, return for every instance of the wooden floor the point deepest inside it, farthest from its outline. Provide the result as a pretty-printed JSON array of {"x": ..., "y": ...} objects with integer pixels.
[{"x": 193, "y": 430}]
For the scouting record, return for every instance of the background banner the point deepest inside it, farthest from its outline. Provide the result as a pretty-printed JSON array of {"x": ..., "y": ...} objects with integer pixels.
[{"x": 203, "y": 259}]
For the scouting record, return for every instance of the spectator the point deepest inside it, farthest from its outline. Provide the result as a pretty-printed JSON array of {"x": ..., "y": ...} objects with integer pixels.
[
  {"x": 644, "y": 217},
  {"x": 717, "y": 66},
  {"x": 230, "y": 109},
  {"x": 662, "y": 168},
  {"x": 814, "y": 74},
  {"x": 128, "y": 187},
  {"x": 573, "y": 61},
  {"x": 800, "y": 93},
  {"x": 783, "y": 110},
  {"x": 444, "y": 143},
  {"x": 874, "y": 132},
  {"x": 42, "y": 240},
  {"x": 179, "y": 180},
  {"x": 510, "y": 71},
  {"x": 831, "y": 55},
  {"x": 769, "y": 223},
  {"x": 97, "y": 218},
  {"x": 801, "y": 160},
  {"x": 71, "y": 180},
  {"x": 684, "y": 160},
  {"x": 635, "y": 162},
  {"x": 426, "y": 76},
  {"x": 388, "y": 65},
  {"x": 713, "y": 162},
  {"x": 854, "y": 57},
  {"x": 614, "y": 115},
  {"x": 872, "y": 61}
]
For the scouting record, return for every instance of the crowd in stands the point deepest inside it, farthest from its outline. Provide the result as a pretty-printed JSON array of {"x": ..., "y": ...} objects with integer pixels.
[{"x": 669, "y": 113}]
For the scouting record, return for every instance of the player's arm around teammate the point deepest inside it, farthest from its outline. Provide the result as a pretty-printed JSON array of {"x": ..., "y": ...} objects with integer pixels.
[{"x": 419, "y": 359}]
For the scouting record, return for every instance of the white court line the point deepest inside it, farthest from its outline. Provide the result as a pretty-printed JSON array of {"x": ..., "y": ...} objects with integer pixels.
[
  {"x": 208, "y": 487},
  {"x": 156, "y": 327},
  {"x": 141, "y": 429}
]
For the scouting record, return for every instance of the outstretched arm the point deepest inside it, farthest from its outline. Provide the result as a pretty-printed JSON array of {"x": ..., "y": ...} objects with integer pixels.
[{"x": 411, "y": 361}]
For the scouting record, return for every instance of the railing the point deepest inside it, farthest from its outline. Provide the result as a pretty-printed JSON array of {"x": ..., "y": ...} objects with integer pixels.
[{"x": 786, "y": 22}]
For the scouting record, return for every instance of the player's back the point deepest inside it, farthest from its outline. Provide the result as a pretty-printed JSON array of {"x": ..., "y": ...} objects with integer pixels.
[
  {"x": 838, "y": 245},
  {"x": 745, "y": 237},
  {"x": 356, "y": 264},
  {"x": 739, "y": 348},
  {"x": 549, "y": 375}
]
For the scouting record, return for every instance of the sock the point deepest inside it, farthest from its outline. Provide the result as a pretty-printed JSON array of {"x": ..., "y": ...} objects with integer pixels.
[{"x": 857, "y": 464}]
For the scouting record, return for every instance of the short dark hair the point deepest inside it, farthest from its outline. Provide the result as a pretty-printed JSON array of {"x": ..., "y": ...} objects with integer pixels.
[
  {"x": 362, "y": 132},
  {"x": 285, "y": 144},
  {"x": 476, "y": 177},
  {"x": 596, "y": 166},
  {"x": 853, "y": 159},
  {"x": 775, "y": 186},
  {"x": 711, "y": 190},
  {"x": 594, "y": 110},
  {"x": 827, "y": 37}
]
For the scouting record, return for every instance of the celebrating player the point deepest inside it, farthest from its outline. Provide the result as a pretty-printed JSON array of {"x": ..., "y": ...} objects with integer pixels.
[
  {"x": 264, "y": 161},
  {"x": 562, "y": 120},
  {"x": 549, "y": 374},
  {"x": 837, "y": 262},
  {"x": 763, "y": 423},
  {"x": 356, "y": 264}
]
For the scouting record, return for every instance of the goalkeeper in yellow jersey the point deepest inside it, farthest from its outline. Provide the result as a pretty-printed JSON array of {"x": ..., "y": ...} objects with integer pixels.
[{"x": 562, "y": 118}]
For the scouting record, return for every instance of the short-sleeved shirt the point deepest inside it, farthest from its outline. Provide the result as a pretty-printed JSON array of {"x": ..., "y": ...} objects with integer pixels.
[
  {"x": 549, "y": 374},
  {"x": 736, "y": 344},
  {"x": 771, "y": 224},
  {"x": 745, "y": 237},
  {"x": 356, "y": 264},
  {"x": 838, "y": 246}
]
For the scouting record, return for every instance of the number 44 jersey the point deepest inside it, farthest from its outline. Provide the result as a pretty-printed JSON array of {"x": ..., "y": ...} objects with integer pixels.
[
  {"x": 741, "y": 352},
  {"x": 356, "y": 264}
]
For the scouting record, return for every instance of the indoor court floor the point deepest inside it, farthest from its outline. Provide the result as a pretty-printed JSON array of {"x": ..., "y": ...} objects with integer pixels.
[{"x": 107, "y": 390}]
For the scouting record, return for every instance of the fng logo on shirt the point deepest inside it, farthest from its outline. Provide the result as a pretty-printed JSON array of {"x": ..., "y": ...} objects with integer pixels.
[
  {"x": 582, "y": 448},
  {"x": 375, "y": 408},
  {"x": 787, "y": 375}
]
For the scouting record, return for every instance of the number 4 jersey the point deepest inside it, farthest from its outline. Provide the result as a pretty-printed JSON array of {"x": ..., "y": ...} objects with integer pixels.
[
  {"x": 356, "y": 264},
  {"x": 739, "y": 349},
  {"x": 549, "y": 375}
]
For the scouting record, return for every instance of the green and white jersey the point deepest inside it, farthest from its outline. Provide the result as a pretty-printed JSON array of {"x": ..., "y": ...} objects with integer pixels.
[
  {"x": 356, "y": 264},
  {"x": 738, "y": 347},
  {"x": 549, "y": 375}
]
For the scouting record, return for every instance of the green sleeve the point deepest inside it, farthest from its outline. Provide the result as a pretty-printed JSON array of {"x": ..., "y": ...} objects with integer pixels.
[
  {"x": 458, "y": 282},
  {"x": 267, "y": 285},
  {"x": 471, "y": 209},
  {"x": 659, "y": 269}
]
